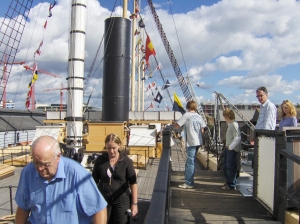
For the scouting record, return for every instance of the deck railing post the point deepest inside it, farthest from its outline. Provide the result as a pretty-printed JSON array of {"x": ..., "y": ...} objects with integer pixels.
[
  {"x": 166, "y": 138},
  {"x": 10, "y": 197},
  {"x": 158, "y": 211}
]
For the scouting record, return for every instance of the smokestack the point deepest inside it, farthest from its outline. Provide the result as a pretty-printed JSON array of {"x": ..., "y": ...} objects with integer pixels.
[{"x": 116, "y": 70}]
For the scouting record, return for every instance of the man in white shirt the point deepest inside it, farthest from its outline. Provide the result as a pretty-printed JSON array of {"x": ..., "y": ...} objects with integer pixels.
[{"x": 268, "y": 111}]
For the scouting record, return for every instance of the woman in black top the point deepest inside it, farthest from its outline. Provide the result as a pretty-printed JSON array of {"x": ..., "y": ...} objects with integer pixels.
[{"x": 114, "y": 173}]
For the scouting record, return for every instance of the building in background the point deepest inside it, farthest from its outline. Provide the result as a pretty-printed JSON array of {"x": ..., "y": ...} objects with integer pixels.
[
  {"x": 209, "y": 107},
  {"x": 9, "y": 104},
  {"x": 56, "y": 107}
]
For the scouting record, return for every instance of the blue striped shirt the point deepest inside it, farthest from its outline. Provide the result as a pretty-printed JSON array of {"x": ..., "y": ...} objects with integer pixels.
[{"x": 267, "y": 116}]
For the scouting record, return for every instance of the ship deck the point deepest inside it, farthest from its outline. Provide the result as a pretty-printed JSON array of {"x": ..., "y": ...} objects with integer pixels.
[{"x": 206, "y": 203}]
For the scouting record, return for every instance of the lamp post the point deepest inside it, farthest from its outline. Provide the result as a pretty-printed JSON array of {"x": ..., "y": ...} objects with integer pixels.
[
  {"x": 4, "y": 139},
  {"x": 27, "y": 137},
  {"x": 3, "y": 146}
]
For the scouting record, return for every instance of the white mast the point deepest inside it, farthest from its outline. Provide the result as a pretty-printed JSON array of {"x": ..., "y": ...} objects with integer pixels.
[
  {"x": 143, "y": 88},
  {"x": 76, "y": 74},
  {"x": 133, "y": 62},
  {"x": 139, "y": 76}
]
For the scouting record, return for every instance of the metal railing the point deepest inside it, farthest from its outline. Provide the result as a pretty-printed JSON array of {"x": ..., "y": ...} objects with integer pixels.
[
  {"x": 287, "y": 188},
  {"x": 8, "y": 156},
  {"x": 10, "y": 197},
  {"x": 276, "y": 171},
  {"x": 158, "y": 212}
]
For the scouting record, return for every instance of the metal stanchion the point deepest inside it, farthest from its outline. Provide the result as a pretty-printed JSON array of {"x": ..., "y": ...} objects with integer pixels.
[{"x": 10, "y": 197}]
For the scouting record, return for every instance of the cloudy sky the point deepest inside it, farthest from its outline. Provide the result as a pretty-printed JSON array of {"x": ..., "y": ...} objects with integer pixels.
[{"x": 230, "y": 46}]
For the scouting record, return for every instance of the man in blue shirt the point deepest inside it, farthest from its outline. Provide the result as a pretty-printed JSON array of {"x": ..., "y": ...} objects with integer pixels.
[
  {"x": 54, "y": 189},
  {"x": 268, "y": 111}
]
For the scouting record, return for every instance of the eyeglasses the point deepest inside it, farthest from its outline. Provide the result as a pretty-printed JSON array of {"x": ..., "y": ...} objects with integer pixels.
[
  {"x": 44, "y": 165},
  {"x": 257, "y": 96}
]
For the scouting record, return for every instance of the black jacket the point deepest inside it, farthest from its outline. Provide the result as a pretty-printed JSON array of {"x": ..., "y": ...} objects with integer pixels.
[{"x": 123, "y": 175}]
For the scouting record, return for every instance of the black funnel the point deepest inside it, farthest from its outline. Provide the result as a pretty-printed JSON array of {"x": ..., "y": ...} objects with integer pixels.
[{"x": 116, "y": 70}]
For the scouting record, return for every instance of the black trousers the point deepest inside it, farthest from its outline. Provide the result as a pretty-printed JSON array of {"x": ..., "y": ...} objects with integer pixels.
[{"x": 116, "y": 210}]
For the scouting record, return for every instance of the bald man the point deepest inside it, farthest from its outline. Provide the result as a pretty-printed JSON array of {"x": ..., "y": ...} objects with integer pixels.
[{"x": 55, "y": 189}]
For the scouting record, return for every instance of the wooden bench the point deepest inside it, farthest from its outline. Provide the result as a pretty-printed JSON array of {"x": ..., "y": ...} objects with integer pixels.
[
  {"x": 6, "y": 171},
  {"x": 18, "y": 161}
]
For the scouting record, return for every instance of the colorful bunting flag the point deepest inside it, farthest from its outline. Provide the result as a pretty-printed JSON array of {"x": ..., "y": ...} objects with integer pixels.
[
  {"x": 136, "y": 32},
  {"x": 149, "y": 50},
  {"x": 151, "y": 106},
  {"x": 137, "y": 8},
  {"x": 166, "y": 85},
  {"x": 29, "y": 94},
  {"x": 51, "y": 7},
  {"x": 38, "y": 51},
  {"x": 158, "y": 67},
  {"x": 158, "y": 97},
  {"x": 138, "y": 43},
  {"x": 141, "y": 23},
  {"x": 143, "y": 49},
  {"x": 145, "y": 78},
  {"x": 34, "y": 76},
  {"x": 177, "y": 106}
]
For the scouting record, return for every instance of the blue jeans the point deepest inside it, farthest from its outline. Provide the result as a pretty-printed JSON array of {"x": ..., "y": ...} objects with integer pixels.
[
  {"x": 231, "y": 167},
  {"x": 190, "y": 165},
  {"x": 224, "y": 161}
]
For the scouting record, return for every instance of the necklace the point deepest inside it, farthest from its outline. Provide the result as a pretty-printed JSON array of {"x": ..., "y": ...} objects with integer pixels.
[{"x": 114, "y": 160}]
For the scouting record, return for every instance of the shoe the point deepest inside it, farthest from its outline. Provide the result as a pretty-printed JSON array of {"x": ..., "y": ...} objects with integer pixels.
[
  {"x": 185, "y": 186},
  {"x": 228, "y": 188}
]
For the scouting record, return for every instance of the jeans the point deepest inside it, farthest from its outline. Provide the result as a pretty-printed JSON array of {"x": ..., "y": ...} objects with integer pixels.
[
  {"x": 190, "y": 165},
  {"x": 224, "y": 161},
  {"x": 231, "y": 167}
]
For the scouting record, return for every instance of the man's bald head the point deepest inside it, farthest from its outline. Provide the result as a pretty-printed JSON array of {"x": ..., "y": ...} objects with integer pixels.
[
  {"x": 45, "y": 145},
  {"x": 46, "y": 156}
]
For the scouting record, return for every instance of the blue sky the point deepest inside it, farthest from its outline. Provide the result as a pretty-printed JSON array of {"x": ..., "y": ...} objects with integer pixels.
[{"x": 228, "y": 46}]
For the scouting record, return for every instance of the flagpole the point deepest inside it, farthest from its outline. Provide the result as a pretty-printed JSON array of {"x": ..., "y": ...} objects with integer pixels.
[
  {"x": 125, "y": 8},
  {"x": 133, "y": 61},
  {"x": 143, "y": 87},
  {"x": 139, "y": 78}
]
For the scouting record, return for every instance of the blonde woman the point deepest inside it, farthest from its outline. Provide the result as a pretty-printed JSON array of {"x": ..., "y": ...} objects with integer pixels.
[
  {"x": 288, "y": 115},
  {"x": 114, "y": 174}
]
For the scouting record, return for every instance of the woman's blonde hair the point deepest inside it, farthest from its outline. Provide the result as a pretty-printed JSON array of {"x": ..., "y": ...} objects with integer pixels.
[
  {"x": 113, "y": 138},
  {"x": 291, "y": 107},
  {"x": 229, "y": 114}
]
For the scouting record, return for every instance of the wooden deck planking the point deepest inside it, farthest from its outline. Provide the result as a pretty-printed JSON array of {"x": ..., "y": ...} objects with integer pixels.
[{"x": 208, "y": 203}]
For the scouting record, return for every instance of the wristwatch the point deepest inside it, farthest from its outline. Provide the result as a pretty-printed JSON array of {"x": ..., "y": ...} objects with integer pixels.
[{"x": 134, "y": 203}]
